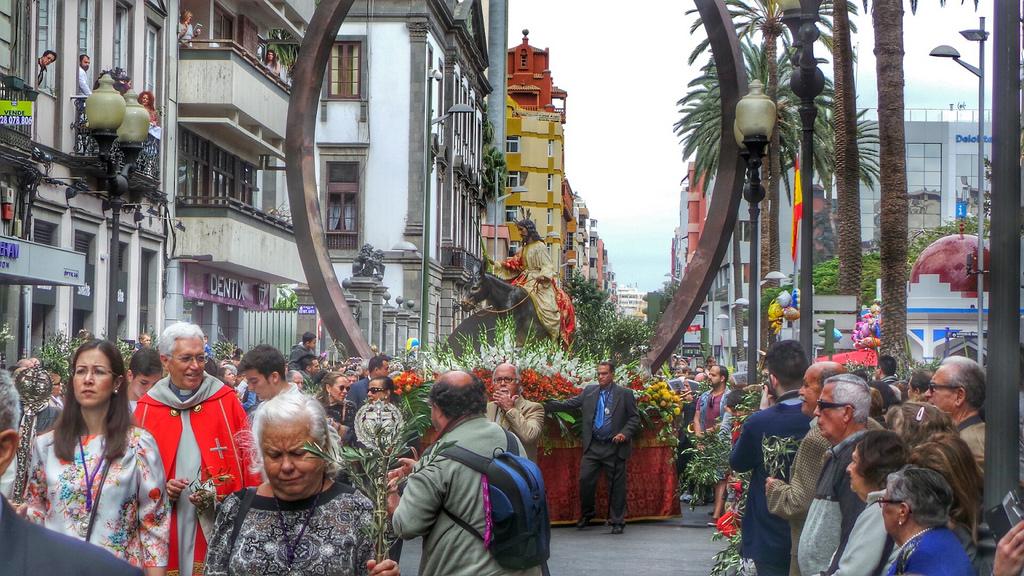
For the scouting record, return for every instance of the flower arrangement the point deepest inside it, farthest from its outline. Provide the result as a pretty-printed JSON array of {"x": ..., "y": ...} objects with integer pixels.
[
  {"x": 659, "y": 402},
  {"x": 407, "y": 381}
]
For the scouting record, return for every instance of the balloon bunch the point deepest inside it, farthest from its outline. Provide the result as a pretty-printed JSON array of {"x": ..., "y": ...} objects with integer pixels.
[
  {"x": 868, "y": 333},
  {"x": 785, "y": 306}
]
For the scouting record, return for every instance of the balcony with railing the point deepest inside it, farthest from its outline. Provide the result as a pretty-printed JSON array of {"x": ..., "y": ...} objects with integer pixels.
[
  {"x": 459, "y": 260},
  {"x": 147, "y": 166},
  {"x": 237, "y": 206},
  {"x": 228, "y": 95}
]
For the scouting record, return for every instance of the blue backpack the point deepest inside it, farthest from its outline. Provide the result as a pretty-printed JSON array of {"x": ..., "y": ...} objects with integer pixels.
[{"x": 521, "y": 532}]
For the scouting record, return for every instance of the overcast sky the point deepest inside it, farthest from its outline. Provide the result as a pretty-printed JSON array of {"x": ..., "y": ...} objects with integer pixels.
[{"x": 624, "y": 70}]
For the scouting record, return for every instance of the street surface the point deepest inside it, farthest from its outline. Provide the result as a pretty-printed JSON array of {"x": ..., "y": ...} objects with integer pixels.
[{"x": 676, "y": 547}]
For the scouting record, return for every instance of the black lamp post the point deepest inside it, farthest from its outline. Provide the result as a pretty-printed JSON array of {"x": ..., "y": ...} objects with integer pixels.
[
  {"x": 755, "y": 120},
  {"x": 807, "y": 82},
  {"x": 112, "y": 117}
]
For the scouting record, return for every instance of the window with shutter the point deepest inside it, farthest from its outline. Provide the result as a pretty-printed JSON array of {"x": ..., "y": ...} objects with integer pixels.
[{"x": 346, "y": 66}]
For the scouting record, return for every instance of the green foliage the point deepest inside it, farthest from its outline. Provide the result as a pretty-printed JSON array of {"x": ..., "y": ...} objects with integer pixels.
[
  {"x": 223, "y": 349},
  {"x": 600, "y": 331},
  {"x": 55, "y": 354},
  {"x": 286, "y": 299},
  {"x": 826, "y": 276}
]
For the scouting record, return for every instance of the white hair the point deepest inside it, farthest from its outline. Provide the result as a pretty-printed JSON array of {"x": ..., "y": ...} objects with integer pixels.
[
  {"x": 10, "y": 403},
  {"x": 852, "y": 390},
  {"x": 175, "y": 332},
  {"x": 293, "y": 407}
]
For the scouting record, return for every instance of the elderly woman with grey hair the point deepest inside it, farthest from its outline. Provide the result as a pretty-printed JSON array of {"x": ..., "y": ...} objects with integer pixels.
[
  {"x": 915, "y": 510},
  {"x": 298, "y": 521}
]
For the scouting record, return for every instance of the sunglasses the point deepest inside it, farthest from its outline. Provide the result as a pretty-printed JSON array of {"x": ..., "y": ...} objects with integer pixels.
[
  {"x": 377, "y": 390},
  {"x": 823, "y": 405}
]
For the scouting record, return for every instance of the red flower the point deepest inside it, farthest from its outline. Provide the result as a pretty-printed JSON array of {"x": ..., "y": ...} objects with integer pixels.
[{"x": 154, "y": 494}]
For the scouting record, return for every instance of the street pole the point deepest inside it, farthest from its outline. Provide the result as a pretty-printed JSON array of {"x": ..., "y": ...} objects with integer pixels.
[
  {"x": 1003, "y": 370},
  {"x": 496, "y": 258},
  {"x": 807, "y": 82},
  {"x": 116, "y": 202},
  {"x": 981, "y": 194}
]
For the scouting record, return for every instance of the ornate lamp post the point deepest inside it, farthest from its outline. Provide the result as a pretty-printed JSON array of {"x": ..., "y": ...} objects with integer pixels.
[
  {"x": 807, "y": 82},
  {"x": 112, "y": 117},
  {"x": 755, "y": 120},
  {"x": 979, "y": 35}
]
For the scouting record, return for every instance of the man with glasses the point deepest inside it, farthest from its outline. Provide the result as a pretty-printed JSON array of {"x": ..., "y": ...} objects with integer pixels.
[
  {"x": 195, "y": 419},
  {"x": 842, "y": 413},
  {"x": 958, "y": 389},
  {"x": 610, "y": 420},
  {"x": 514, "y": 413}
]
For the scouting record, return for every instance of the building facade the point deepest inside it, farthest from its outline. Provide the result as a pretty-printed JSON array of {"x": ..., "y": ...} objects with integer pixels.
[
  {"x": 54, "y": 272},
  {"x": 384, "y": 129},
  {"x": 233, "y": 238},
  {"x": 942, "y": 172}
]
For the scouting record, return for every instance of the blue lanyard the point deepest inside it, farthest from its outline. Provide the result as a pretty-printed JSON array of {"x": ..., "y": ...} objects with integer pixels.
[{"x": 90, "y": 477}]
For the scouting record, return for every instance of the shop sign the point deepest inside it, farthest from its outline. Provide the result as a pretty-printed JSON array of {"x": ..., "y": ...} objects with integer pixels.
[
  {"x": 24, "y": 262},
  {"x": 15, "y": 113},
  {"x": 213, "y": 285},
  {"x": 307, "y": 310}
]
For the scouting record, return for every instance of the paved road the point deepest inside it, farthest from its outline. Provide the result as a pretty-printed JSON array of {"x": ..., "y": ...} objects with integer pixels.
[{"x": 677, "y": 547}]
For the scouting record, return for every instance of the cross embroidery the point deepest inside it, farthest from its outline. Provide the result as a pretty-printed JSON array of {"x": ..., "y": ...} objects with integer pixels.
[{"x": 218, "y": 448}]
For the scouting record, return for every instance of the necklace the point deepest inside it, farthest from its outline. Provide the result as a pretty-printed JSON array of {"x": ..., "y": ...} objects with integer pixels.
[
  {"x": 906, "y": 549},
  {"x": 90, "y": 477},
  {"x": 290, "y": 546}
]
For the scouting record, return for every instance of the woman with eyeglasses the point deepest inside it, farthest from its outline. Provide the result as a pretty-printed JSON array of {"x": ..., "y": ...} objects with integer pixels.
[
  {"x": 877, "y": 454},
  {"x": 950, "y": 456},
  {"x": 97, "y": 476},
  {"x": 915, "y": 510}
]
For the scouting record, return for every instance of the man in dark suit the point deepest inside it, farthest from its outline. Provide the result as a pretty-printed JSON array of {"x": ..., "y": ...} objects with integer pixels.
[
  {"x": 610, "y": 420},
  {"x": 377, "y": 368},
  {"x": 766, "y": 537},
  {"x": 28, "y": 548}
]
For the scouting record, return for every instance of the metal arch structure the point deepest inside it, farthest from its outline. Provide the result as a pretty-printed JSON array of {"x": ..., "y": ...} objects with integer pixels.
[
  {"x": 725, "y": 198},
  {"x": 303, "y": 191},
  {"x": 300, "y": 137}
]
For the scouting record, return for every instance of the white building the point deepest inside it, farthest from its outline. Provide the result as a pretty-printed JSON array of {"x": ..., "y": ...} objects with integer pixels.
[
  {"x": 395, "y": 72},
  {"x": 631, "y": 301}
]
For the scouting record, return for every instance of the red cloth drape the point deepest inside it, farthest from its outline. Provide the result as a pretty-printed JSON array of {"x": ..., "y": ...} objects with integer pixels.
[{"x": 650, "y": 481}]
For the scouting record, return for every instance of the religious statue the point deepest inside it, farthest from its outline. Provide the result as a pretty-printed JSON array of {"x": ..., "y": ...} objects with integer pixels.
[
  {"x": 34, "y": 387},
  {"x": 524, "y": 288}
]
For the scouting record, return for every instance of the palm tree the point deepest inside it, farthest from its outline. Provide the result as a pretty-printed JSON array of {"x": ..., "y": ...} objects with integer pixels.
[
  {"x": 845, "y": 153},
  {"x": 887, "y": 18}
]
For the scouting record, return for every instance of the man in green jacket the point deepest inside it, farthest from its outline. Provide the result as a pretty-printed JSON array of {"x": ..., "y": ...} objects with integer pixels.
[{"x": 440, "y": 488}]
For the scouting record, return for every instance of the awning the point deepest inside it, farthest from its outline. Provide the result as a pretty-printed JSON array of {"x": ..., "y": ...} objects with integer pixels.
[{"x": 24, "y": 262}]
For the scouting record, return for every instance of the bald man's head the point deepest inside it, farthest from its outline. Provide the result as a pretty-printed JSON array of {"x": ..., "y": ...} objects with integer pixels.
[
  {"x": 459, "y": 394},
  {"x": 814, "y": 379}
]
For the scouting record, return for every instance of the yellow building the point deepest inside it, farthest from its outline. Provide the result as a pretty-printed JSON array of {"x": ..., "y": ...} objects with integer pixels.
[{"x": 533, "y": 153}]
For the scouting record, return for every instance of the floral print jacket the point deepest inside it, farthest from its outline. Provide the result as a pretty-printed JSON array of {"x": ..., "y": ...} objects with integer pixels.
[{"x": 133, "y": 515}]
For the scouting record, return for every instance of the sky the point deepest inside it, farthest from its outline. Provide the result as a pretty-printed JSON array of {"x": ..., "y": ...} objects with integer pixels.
[{"x": 624, "y": 70}]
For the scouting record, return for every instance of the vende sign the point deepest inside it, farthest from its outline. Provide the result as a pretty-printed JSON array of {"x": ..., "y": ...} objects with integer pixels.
[
  {"x": 694, "y": 328},
  {"x": 211, "y": 285}
]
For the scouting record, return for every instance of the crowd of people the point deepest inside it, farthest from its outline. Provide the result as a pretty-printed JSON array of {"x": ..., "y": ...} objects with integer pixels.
[
  {"x": 173, "y": 463},
  {"x": 886, "y": 477}
]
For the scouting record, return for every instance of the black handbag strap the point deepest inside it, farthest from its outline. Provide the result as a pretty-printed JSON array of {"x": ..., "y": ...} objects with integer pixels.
[
  {"x": 96, "y": 502},
  {"x": 246, "y": 496}
]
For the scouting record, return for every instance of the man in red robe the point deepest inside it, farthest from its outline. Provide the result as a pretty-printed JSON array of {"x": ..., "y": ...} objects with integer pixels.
[{"x": 195, "y": 419}]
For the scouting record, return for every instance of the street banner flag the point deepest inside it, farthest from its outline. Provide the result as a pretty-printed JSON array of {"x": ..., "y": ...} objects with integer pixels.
[{"x": 798, "y": 209}]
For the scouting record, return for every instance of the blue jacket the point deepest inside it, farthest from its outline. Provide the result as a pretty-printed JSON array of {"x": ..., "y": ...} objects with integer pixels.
[
  {"x": 937, "y": 552},
  {"x": 765, "y": 536}
]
